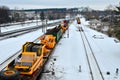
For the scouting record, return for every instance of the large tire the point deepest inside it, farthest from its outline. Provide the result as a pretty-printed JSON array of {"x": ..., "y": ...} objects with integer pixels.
[{"x": 9, "y": 75}]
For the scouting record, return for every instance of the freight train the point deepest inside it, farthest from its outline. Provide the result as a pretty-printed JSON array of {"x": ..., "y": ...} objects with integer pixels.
[
  {"x": 30, "y": 63},
  {"x": 78, "y": 20}
]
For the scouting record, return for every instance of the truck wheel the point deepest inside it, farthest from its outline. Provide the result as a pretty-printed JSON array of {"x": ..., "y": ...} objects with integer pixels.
[{"x": 9, "y": 75}]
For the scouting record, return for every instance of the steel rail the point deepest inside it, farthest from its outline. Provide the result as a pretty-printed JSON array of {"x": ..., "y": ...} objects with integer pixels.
[{"x": 84, "y": 38}]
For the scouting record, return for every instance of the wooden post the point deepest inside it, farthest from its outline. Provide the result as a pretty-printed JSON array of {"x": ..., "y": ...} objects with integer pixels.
[
  {"x": 68, "y": 33},
  {"x": 79, "y": 68},
  {"x": 117, "y": 71}
]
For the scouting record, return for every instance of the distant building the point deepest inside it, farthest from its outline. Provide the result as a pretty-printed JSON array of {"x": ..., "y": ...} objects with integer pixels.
[
  {"x": 98, "y": 25},
  {"x": 85, "y": 9},
  {"x": 95, "y": 23},
  {"x": 105, "y": 26}
]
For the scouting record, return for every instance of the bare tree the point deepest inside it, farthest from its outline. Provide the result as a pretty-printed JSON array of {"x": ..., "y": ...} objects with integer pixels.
[{"x": 4, "y": 14}]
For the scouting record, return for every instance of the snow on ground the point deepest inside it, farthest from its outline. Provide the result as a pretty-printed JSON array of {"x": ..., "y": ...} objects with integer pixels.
[
  {"x": 21, "y": 26},
  {"x": 9, "y": 46},
  {"x": 15, "y": 27},
  {"x": 71, "y": 63},
  {"x": 70, "y": 56},
  {"x": 107, "y": 52}
]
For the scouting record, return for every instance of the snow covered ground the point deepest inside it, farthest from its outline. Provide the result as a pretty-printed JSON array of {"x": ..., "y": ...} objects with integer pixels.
[
  {"x": 68, "y": 60},
  {"x": 10, "y": 46},
  {"x": 69, "y": 54},
  {"x": 71, "y": 63},
  {"x": 21, "y": 26},
  {"x": 107, "y": 52}
]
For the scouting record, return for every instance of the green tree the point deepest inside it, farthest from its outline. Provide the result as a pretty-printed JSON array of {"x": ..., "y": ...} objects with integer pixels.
[
  {"x": 118, "y": 10},
  {"x": 16, "y": 16},
  {"x": 50, "y": 17},
  {"x": 117, "y": 17},
  {"x": 117, "y": 22}
]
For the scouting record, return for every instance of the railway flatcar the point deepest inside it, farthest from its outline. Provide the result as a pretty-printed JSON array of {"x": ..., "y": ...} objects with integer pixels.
[{"x": 30, "y": 63}]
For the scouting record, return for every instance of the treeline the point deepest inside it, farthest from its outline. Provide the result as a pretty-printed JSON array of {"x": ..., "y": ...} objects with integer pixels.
[
  {"x": 115, "y": 29},
  {"x": 110, "y": 16},
  {"x": 7, "y": 15},
  {"x": 4, "y": 14}
]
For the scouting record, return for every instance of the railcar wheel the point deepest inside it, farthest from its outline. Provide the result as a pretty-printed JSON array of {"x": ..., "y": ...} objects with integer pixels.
[{"x": 9, "y": 75}]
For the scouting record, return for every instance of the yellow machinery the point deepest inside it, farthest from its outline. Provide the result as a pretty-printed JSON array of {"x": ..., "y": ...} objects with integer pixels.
[
  {"x": 64, "y": 25},
  {"x": 31, "y": 59},
  {"x": 48, "y": 41},
  {"x": 33, "y": 54},
  {"x": 29, "y": 64}
]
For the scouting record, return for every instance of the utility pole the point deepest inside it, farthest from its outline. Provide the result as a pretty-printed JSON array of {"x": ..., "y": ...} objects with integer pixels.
[
  {"x": 36, "y": 18},
  {"x": 46, "y": 25},
  {"x": 110, "y": 8},
  {"x": 68, "y": 21},
  {"x": 68, "y": 33},
  {"x": 0, "y": 29},
  {"x": 42, "y": 17}
]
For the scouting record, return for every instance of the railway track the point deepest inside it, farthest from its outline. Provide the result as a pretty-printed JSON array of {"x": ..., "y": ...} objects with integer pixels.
[
  {"x": 38, "y": 51},
  {"x": 15, "y": 33},
  {"x": 94, "y": 68},
  {"x": 17, "y": 23},
  {"x": 17, "y": 53}
]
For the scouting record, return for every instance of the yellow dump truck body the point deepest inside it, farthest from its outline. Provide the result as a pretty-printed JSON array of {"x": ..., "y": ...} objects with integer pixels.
[{"x": 29, "y": 63}]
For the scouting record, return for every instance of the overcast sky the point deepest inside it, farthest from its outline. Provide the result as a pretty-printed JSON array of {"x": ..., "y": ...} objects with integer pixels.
[{"x": 32, "y": 4}]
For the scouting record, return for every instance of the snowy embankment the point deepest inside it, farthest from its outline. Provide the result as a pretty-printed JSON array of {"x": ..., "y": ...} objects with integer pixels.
[
  {"x": 71, "y": 63},
  {"x": 107, "y": 52},
  {"x": 10, "y": 46},
  {"x": 70, "y": 60},
  {"x": 27, "y": 25}
]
